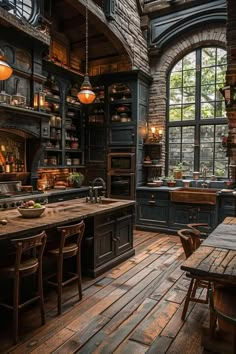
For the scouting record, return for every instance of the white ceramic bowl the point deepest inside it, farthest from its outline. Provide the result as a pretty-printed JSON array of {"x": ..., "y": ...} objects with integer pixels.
[{"x": 31, "y": 212}]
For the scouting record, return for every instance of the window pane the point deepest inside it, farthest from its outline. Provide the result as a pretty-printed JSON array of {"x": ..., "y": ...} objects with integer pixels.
[
  {"x": 175, "y": 113},
  {"x": 221, "y": 56},
  {"x": 189, "y": 112},
  {"x": 178, "y": 66},
  {"x": 208, "y": 93},
  {"x": 176, "y": 79},
  {"x": 220, "y": 73},
  {"x": 189, "y": 61},
  {"x": 207, "y": 133},
  {"x": 189, "y": 78},
  {"x": 175, "y": 135},
  {"x": 208, "y": 76},
  {"x": 188, "y": 94},
  {"x": 208, "y": 56},
  {"x": 175, "y": 96},
  {"x": 220, "y": 109},
  {"x": 207, "y": 110}
]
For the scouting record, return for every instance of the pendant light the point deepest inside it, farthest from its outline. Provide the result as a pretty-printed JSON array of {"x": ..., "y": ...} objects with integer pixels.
[
  {"x": 86, "y": 94},
  {"x": 5, "y": 69}
]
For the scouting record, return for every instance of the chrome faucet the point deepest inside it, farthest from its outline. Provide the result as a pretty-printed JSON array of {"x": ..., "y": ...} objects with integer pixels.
[{"x": 93, "y": 190}]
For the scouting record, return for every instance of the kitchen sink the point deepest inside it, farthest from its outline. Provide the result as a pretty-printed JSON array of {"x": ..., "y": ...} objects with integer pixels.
[{"x": 194, "y": 195}]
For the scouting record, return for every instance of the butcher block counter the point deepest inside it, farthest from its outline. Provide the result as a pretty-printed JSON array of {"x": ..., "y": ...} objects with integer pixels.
[{"x": 108, "y": 238}]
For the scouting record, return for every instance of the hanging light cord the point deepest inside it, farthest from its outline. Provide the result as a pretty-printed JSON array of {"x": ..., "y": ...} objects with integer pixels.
[{"x": 86, "y": 38}]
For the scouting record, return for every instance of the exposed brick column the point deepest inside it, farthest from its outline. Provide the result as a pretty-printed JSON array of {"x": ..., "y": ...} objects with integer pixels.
[
  {"x": 231, "y": 80},
  {"x": 161, "y": 66}
]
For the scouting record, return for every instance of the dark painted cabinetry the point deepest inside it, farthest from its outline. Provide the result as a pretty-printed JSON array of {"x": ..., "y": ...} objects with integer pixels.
[
  {"x": 155, "y": 211},
  {"x": 109, "y": 238},
  {"x": 152, "y": 208},
  {"x": 226, "y": 206},
  {"x": 183, "y": 214}
]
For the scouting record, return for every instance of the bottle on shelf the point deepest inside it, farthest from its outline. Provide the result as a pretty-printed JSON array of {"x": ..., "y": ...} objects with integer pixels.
[{"x": 7, "y": 166}]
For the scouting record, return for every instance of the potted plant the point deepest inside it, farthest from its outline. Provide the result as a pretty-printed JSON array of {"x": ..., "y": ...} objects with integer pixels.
[
  {"x": 75, "y": 179},
  {"x": 178, "y": 171},
  {"x": 170, "y": 180}
]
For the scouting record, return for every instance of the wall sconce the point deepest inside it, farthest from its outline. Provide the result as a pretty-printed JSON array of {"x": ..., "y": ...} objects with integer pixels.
[
  {"x": 39, "y": 101},
  {"x": 229, "y": 94},
  {"x": 156, "y": 136}
]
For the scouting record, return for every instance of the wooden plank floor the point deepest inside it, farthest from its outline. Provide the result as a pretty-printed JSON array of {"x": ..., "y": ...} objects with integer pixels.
[{"x": 134, "y": 308}]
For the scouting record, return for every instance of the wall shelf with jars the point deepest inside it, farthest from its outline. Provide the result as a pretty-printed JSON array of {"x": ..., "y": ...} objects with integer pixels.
[{"x": 120, "y": 99}]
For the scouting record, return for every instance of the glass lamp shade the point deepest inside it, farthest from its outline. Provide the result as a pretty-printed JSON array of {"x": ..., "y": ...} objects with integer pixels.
[
  {"x": 86, "y": 95},
  {"x": 5, "y": 70}
]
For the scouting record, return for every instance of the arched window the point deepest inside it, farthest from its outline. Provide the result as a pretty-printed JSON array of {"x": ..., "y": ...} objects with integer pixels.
[{"x": 197, "y": 122}]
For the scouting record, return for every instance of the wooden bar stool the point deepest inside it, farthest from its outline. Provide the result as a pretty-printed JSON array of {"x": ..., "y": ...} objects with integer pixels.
[
  {"x": 191, "y": 241},
  {"x": 28, "y": 261},
  {"x": 67, "y": 248}
]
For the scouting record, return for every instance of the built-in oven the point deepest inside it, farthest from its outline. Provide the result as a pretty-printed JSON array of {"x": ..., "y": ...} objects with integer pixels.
[
  {"x": 121, "y": 162},
  {"x": 121, "y": 186}
]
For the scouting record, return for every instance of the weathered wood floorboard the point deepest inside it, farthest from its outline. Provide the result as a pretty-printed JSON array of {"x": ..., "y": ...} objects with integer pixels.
[{"x": 134, "y": 308}]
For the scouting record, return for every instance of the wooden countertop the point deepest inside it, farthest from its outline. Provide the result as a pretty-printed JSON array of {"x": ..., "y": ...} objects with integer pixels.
[{"x": 55, "y": 215}]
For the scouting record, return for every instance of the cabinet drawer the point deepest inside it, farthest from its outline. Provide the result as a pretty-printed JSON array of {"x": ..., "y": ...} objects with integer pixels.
[
  {"x": 153, "y": 202},
  {"x": 104, "y": 219},
  {"x": 227, "y": 203},
  {"x": 153, "y": 195}
]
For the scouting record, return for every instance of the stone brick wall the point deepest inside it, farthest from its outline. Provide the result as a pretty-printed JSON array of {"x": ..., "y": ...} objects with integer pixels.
[
  {"x": 231, "y": 80},
  {"x": 127, "y": 22},
  {"x": 161, "y": 66}
]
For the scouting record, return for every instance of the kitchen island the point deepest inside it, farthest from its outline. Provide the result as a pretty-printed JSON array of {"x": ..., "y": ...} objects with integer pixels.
[{"x": 108, "y": 238}]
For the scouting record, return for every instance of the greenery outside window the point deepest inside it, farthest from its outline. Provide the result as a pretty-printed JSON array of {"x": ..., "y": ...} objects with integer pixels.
[{"x": 197, "y": 122}]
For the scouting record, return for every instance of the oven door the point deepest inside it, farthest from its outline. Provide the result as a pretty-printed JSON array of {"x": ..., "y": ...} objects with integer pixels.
[
  {"x": 121, "y": 186},
  {"x": 121, "y": 162}
]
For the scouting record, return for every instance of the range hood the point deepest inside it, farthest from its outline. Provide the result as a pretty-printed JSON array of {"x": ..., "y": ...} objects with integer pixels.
[{"x": 31, "y": 123}]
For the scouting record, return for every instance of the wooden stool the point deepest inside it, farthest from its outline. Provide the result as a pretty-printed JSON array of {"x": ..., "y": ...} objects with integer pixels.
[
  {"x": 67, "y": 249},
  {"x": 191, "y": 241},
  {"x": 223, "y": 311},
  {"x": 26, "y": 263}
]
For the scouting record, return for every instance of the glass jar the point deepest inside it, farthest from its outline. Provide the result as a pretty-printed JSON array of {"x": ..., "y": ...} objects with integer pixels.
[
  {"x": 5, "y": 98},
  {"x": 18, "y": 100}
]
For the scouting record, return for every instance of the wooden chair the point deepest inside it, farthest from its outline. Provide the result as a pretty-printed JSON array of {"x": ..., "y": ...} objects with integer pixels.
[
  {"x": 203, "y": 228},
  {"x": 223, "y": 311},
  {"x": 28, "y": 261},
  {"x": 67, "y": 249},
  {"x": 191, "y": 241}
]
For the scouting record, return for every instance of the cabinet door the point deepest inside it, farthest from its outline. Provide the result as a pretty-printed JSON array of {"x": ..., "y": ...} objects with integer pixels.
[
  {"x": 124, "y": 234},
  {"x": 105, "y": 243},
  {"x": 122, "y": 135},
  {"x": 206, "y": 215},
  {"x": 181, "y": 215},
  {"x": 152, "y": 212},
  {"x": 226, "y": 207}
]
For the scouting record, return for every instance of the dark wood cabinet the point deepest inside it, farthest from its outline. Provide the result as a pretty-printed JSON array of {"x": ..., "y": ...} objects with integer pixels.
[
  {"x": 152, "y": 209},
  {"x": 108, "y": 240},
  {"x": 183, "y": 214},
  {"x": 226, "y": 206}
]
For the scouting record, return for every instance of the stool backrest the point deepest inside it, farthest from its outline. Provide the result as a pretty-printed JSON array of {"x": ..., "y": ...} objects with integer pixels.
[
  {"x": 69, "y": 231},
  {"x": 190, "y": 241},
  {"x": 26, "y": 244}
]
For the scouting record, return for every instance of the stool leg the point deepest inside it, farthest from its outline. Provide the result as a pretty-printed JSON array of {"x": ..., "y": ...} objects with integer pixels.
[
  {"x": 78, "y": 269},
  {"x": 40, "y": 291},
  {"x": 59, "y": 283},
  {"x": 187, "y": 300},
  {"x": 16, "y": 307}
]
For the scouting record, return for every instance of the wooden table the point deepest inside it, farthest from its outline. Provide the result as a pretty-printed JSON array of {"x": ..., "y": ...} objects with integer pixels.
[{"x": 215, "y": 259}]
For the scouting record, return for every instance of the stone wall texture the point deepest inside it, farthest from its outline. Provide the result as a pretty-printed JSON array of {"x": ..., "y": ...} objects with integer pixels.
[
  {"x": 161, "y": 66},
  {"x": 127, "y": 22}
]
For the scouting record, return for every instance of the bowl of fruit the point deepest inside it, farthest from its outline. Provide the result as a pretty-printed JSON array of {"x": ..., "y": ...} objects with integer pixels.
[{"x": 30, "y": 209}]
